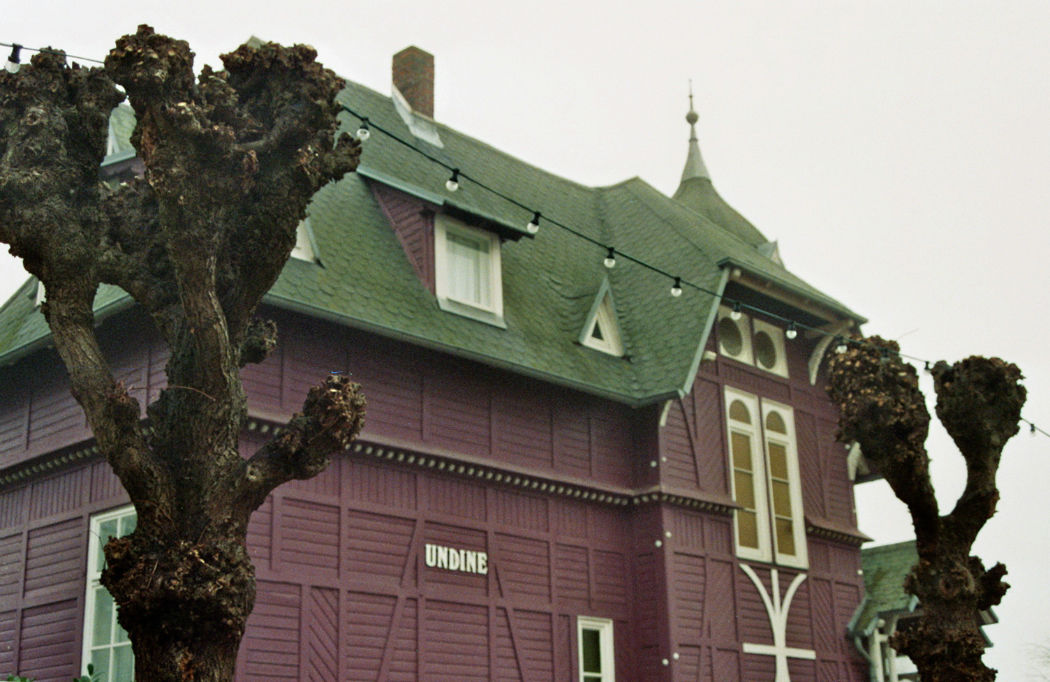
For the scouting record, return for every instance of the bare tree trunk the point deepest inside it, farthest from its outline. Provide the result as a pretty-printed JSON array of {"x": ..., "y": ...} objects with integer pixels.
[
  {"x": 979, "y": 402},
  {"x": 232, "y": 159}
]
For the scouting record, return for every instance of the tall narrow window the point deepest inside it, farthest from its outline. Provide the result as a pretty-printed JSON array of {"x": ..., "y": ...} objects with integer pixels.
[
  {"x": 752, "y": 528},
  {"x": 106, "y": 644},
  {"x": 785, "y": 492},
  {"x": 765, "y": 480},
  {"x": 595, "y": 637}
]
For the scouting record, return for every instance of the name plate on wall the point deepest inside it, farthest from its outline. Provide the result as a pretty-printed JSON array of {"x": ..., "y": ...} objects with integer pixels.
[{"x": 452, "y": 559}]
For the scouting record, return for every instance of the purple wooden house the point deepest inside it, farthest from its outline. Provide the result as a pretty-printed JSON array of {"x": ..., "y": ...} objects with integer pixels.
[{"x": 567, "y": 472}]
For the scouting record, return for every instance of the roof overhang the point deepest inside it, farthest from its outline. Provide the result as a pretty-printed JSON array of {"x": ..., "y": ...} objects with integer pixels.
[
  {"x": 821, "y": 309},
  {"x": 443, "y": 204}
]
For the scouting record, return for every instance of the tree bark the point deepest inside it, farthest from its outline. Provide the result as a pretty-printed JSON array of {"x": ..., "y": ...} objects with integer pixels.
[
  {"x": 232, "y": 158},
  {"x": 979, "y": 402}
]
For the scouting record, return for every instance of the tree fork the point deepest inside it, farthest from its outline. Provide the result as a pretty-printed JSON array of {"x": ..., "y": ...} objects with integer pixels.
[
  {"x": 979, "y": 402},
  {"x": 232, "y": 159}
]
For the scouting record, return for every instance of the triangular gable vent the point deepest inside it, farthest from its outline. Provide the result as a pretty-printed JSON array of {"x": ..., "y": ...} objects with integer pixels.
[{"x": 602, "y": 331}]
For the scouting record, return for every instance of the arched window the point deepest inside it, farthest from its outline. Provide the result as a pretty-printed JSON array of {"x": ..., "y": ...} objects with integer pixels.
[{"x": 769, "y": 525}]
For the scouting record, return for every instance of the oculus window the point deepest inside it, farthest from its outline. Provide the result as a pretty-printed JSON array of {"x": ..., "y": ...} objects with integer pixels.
[{"x": 751, "y": 341}]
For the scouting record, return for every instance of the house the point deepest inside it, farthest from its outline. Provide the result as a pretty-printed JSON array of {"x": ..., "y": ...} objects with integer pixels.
[
  {"x": 887, "y": 608},
  {"x": 568, "y": 472}
]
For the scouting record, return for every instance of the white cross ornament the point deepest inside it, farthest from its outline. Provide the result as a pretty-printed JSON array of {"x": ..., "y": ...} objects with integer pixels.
[{"x": 778, "y": 616}]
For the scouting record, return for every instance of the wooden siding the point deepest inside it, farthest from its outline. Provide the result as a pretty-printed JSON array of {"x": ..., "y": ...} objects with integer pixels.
[
  {"x": 372, "y": 607},
  {"x": 343, "y": 582},
  {"x": 413, "y": 223}
]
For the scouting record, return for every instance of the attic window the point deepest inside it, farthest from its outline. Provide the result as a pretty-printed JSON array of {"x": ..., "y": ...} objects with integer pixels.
[
  {"x": 601, "y": 332},
  {"x": 467, "y": 276},
  {"x": 304, "y": 242},
  {"x": 752, "y": 341}
]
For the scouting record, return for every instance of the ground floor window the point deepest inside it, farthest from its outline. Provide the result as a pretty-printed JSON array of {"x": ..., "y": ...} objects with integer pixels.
[
  {"x": 106, "y": 644},
  {"x": 595, "y": 636}
]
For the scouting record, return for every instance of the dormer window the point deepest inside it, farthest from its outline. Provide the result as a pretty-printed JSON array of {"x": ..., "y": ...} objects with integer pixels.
[
  {"x": 601, "y": 331},
  {"x": 304, "y": 243},
  {"x": 467, "y": 276},
  {"x": 753, "y": 342}
]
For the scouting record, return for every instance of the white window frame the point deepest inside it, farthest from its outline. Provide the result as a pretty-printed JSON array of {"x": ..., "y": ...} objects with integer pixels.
[
  {"x": 790, "y": 442},
  {"x": 760, "y": 438},
  {"x": 603, "y": 315},
  {"x": 776, "y": 335},
  {"x": 304, "y": 243},
  {"x": 92, "y": 583},
  {"x": 749, "y": 328},
  {"x": 758, "y": 476},
  {"x": 490, "y": 282},
  {"x": 606, "y": 648}
]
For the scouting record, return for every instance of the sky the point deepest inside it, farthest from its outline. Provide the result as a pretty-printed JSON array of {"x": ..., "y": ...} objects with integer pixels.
[{"x": 899, "y": 151}]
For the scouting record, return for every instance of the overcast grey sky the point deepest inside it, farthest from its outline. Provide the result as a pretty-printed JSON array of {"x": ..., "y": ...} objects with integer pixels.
[{"x": 898, "y": 150}]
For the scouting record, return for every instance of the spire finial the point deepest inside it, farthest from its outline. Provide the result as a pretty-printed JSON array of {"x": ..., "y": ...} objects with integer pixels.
[
  {"x": 691, "y": 118},
  {"x": 694, "y": 163}
]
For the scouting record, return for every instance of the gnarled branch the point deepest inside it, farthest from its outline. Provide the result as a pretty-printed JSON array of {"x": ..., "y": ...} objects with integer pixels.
[{"x": 332, "y": 416}]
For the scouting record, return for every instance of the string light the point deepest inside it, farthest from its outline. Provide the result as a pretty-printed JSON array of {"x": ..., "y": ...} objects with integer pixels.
[
  {"x": 534, "y": 225},
  {"x": 452, "y": 184},
  {"x": 363, "y": 133},
  {"x": 43, "y": 50},
  {"x": 14, "y": 61},
  {"x": 736, "y": 314}
]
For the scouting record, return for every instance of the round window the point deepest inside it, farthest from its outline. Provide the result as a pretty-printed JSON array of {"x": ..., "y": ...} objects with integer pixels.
[
  {"x": 729, "y": 337},
  {"x": 765, "y": 350}
]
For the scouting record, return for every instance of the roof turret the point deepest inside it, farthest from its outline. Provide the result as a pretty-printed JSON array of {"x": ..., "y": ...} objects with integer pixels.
[
  {"x": 694, "y": 162},
  {"x": 696, "y": 191}
]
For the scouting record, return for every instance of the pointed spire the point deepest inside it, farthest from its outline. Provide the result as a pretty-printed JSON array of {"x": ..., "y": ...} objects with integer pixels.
[{"x": 694, "y": 162}]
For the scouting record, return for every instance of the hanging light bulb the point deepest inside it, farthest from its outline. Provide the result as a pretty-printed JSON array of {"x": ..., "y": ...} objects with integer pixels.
[
  {"x": 840, "y": 345},
  {"x": 14, "y": 61},
  {"x": 452, "y": 184},
  {"x": 610, "y": 259},
  {"x": 676, "y": 288},
  {"x": 363, "y": 133},
  {"x": 792, "y": 331},
  {"x": 534, "y": 225},
  {"x": 736, "y": 314}
]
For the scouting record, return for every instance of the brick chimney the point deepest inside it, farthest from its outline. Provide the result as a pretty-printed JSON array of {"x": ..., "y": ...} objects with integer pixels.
[{"x": 413, "y": 71}]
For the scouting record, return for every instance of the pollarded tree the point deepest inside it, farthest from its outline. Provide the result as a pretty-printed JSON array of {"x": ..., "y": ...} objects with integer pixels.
[
  {"x": 979, "y": 403},
  {"x": 231, "y": 160}
]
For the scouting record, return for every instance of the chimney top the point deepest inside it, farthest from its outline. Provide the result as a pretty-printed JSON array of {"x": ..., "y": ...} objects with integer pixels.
[{"x": 413, "y": 74}]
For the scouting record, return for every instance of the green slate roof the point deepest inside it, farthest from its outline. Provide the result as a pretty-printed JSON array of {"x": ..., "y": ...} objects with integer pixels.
[
  {"x": 365, "y": 280},
  {"x": 885, "y": 569}
]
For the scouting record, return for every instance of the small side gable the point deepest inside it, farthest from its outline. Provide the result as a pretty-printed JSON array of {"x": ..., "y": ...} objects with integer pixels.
[
  {"x": 305, "y": 245},
  {"x": 601, "y": 330}
]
